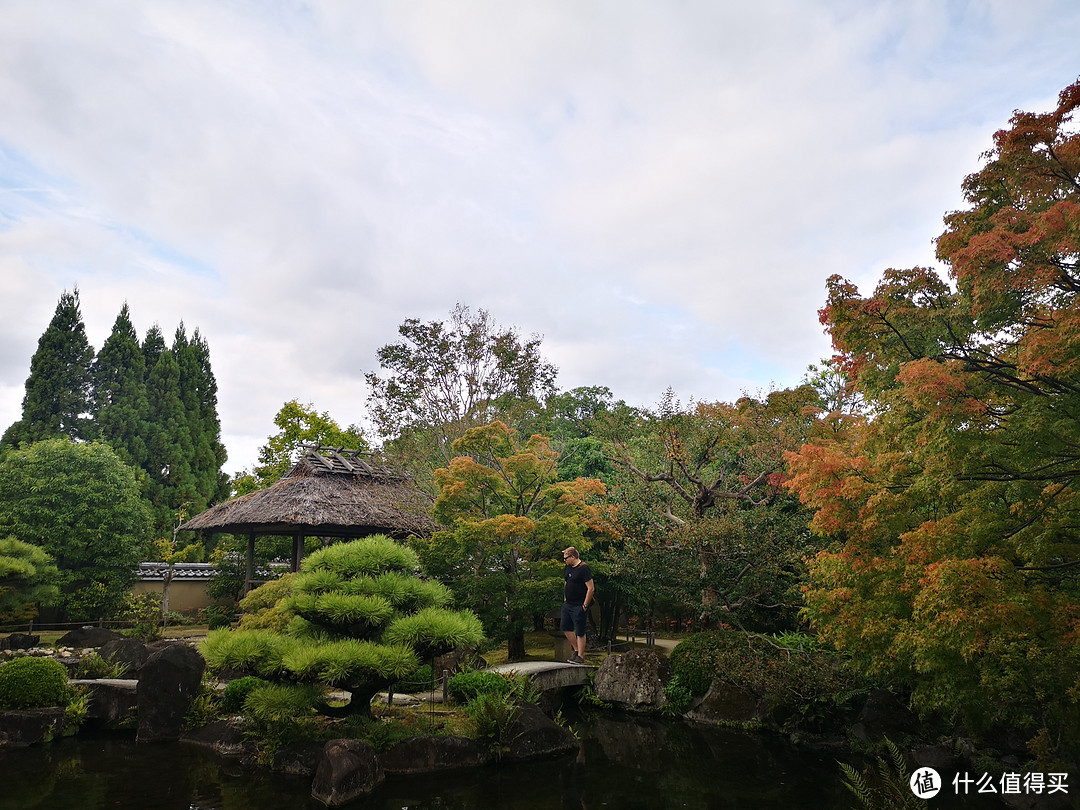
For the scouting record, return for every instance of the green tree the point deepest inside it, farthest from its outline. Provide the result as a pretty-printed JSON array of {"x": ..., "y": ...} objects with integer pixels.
[
  {"x": 169, "y": 445},
  {"x": 82, "y": 505},
  {"x": 152, "y": 347},
  {"x": 298, "y": 425},
  {"x": 27, "y": 580},
  {"x": 57, "y": 400},
  {"x": 511, "y": 517},
  {"x": 119, "y": 392},
  {"x": 361, "y": 620},
  {"x": 445, "y": 377},
  {"x": 954, "y": 507},
  {"x": 711, "y": 477},
  {"x": 198, "y": 392}
]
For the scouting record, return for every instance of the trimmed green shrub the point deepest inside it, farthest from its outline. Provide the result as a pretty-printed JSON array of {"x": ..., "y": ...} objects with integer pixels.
[
  {"x": 29, "y": 683},
  {"x": 466, "y": 686},
  {"x": 694, "y": 661},
  {"x": 232, "y": 699},
  {"x": 419, "y": 681}
]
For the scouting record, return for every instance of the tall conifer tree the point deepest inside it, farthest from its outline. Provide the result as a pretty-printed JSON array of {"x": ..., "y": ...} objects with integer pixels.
[
  {"x": 198, "y": 392},
  {"x": 210, "y": 453},
  {"x": 152, "y": 347},
  {"x": 57, "y": 400},
  {"x": 168, "y": 443},
  {"x": 119, "y": 398}
]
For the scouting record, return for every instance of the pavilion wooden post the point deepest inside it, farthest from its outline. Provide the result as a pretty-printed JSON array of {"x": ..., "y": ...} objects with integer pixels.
[
  {"x": 249, "y": 574},
  {"x": 297, "y": 551}
]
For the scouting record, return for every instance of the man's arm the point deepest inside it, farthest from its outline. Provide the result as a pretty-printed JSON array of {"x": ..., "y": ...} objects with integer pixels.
[{"x": 590, "y": 588}]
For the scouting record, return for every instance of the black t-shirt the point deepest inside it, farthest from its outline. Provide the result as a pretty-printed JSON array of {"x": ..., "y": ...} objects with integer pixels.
[{"x": 575, "y": 589}]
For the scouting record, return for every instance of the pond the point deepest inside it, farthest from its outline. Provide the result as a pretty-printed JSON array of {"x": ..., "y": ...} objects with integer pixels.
[{"x": 623, "y": 762}]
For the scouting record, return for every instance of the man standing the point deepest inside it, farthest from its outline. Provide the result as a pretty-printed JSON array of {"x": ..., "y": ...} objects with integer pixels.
[{"x": 577, "y": 596}]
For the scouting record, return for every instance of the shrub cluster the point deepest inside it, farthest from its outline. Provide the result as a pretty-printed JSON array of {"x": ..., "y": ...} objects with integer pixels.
[
  {"x": 232, "y": 699},
  {"x": 30, "y": 683},
  {"x": 814, "y": 682},
  {"x": 419, "y": 681},
  {"x": 466, "y": 686}
]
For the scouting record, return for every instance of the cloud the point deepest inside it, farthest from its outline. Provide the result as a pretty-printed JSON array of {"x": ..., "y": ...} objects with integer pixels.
[{"x": 659, "y": 190}]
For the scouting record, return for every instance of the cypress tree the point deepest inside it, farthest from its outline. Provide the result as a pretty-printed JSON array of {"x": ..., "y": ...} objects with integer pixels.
[
  {"x": 210, "y": 453},
  {"x": 198, "y": 391},
  {"x": 153, "y": 346},
  {"x": 119, "y": 399},
  {"x": 168, "y": 443},
  {"x": 57, "y": 400}
]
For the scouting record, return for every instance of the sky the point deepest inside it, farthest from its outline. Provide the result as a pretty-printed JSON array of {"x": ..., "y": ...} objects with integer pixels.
[{"x": 658, "y": 189}]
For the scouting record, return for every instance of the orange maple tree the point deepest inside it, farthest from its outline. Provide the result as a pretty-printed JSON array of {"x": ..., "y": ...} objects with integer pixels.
[{"x": 953, "y": 502}]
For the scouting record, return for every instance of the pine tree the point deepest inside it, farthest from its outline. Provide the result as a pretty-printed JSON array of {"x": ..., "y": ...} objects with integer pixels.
[
  {"x": 119, "y": 398},
  {"x": 57, "y": 399}
]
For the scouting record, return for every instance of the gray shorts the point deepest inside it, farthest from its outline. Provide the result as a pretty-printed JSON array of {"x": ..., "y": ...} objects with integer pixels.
[{"x": 573, "y": 618}]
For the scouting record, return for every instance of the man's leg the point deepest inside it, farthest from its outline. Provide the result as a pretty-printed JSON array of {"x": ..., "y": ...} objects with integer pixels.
[{"x": 579, "y": 632}]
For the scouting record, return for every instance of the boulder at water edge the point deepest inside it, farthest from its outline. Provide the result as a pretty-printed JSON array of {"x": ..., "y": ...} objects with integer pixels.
[
  {"x": 19, "y": 727},
  {"x": 129, "y": 652},
  {"x": 532, "y": 734},
  {"x": 112, "y": 700},
  {"x": 429, "y": 753},
  {"x": 168, "y": 684},
  {"x": 634, "y": 681},
  {"x": 347, "y": 770}
]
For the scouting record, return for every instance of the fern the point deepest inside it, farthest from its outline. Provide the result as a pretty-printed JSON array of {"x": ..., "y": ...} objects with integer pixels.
[{"x": 890, "y": 789}]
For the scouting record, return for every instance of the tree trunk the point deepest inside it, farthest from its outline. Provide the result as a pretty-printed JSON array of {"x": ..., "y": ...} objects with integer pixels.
[
  {"x": 709, "y": 595},
  {"x": 610, "y": 611},
  {"x": 515, "y": 646},
  {"x": 166, "y": 580},
  {"x": 359, "y": 704}
]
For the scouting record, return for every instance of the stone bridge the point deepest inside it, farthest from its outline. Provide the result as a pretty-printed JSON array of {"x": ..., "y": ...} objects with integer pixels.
[{"x": 548, "y": 674}]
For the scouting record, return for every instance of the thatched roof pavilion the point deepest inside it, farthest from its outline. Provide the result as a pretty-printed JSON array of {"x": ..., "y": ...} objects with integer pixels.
[{"x": 329, "y": 492}]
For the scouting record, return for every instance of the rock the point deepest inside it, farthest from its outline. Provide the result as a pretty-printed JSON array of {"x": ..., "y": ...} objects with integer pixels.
[
  {"x": 429, "y": 753},
  {"x": 532, "y": 735},
  {"x": 21, "y": 727},
  {"x": 226, "y": 738},
  {"x": 168, "y": 684},
  {"x": 21, "y": 641},
  {"x": 130, "y": 652},
  {"x": 884, "y": 715},
  {"x": 347, "y": 770},
  {"x": 300, "y": 759},
  {"x": 724, "y": 703},
  {"x": 634, "y": 681},
  {"x": 939, "y": 757},
  {"x": 87, "y": 637},
  {"x": 111, "y": 700}
]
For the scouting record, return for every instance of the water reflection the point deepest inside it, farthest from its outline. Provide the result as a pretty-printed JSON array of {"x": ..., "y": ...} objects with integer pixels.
[{"x": 623, "y": 762}]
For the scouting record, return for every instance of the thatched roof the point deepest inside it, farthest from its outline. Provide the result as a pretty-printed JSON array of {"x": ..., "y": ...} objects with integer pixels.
[{"x": 328, "y": 493}]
